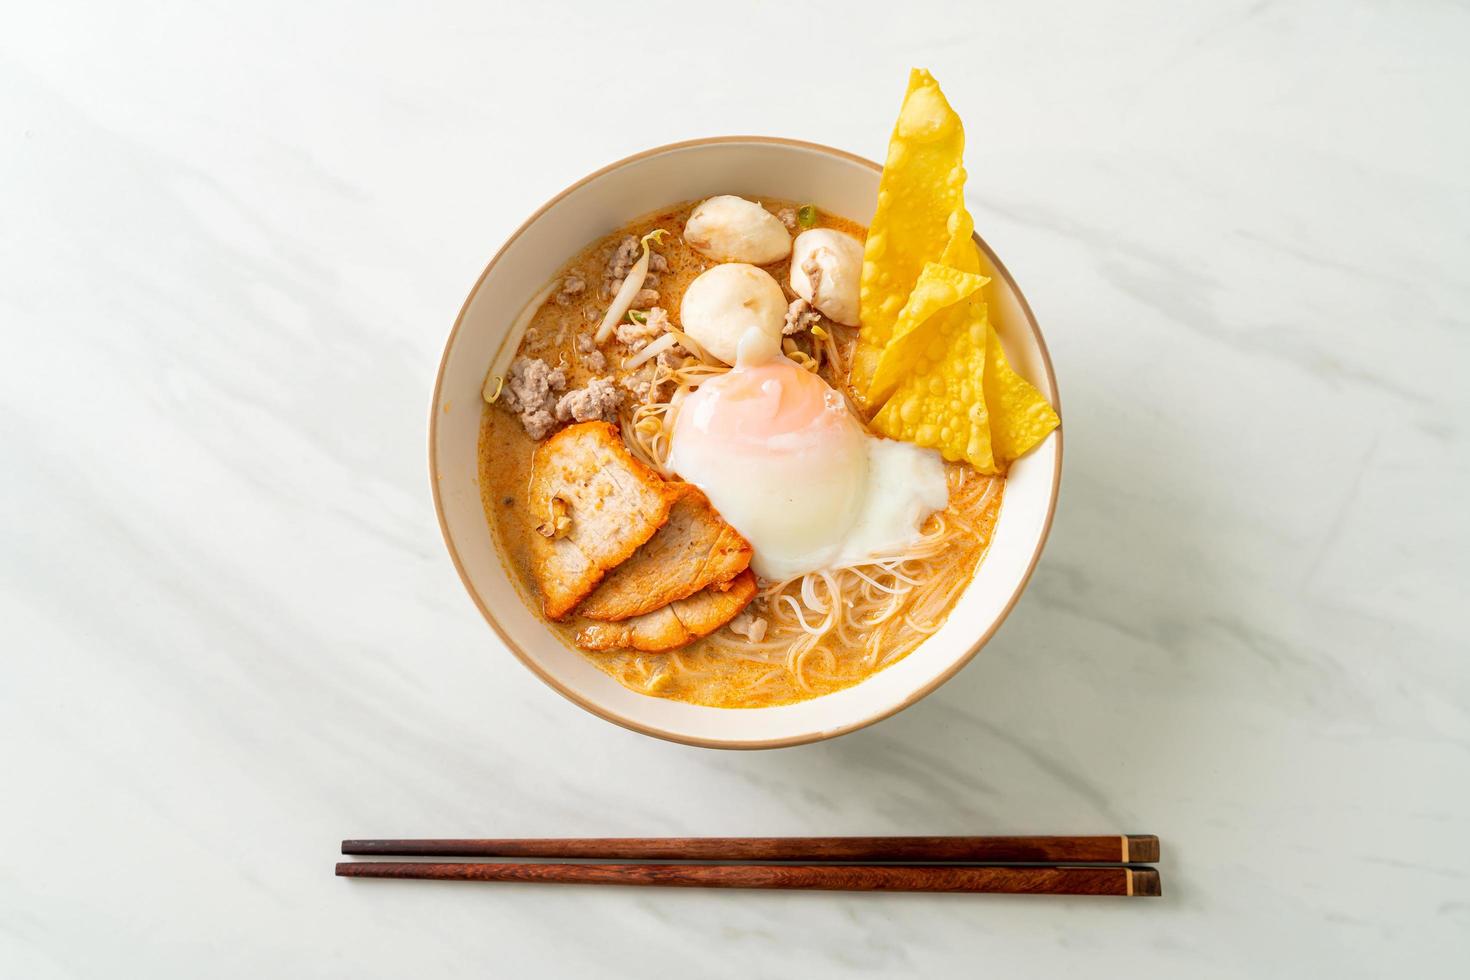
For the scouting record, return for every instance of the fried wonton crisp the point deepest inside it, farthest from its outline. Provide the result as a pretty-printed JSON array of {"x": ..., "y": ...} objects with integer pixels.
[
  {"x": 920, "y": 194},
  {"x": 940, "y": 403},
  {"x": 1020, "y": 416},
  {"x": 928, "y": 359},
  {"x": 936, "y": 295}
]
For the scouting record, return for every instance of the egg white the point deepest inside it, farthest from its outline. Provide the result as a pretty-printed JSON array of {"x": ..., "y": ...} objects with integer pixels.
[{"x": 818, "y": 496}]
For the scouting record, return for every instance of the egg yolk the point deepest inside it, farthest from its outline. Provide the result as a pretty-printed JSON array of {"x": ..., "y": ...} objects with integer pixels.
[{"x": 776, "y": 451}]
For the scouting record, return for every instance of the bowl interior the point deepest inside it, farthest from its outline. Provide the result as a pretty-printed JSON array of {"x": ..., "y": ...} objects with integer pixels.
[{"x": 838, "y": 183}]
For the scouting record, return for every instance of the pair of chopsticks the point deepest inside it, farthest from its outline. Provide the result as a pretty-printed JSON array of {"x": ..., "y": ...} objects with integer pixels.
[{"x": 1110, "y": 865}]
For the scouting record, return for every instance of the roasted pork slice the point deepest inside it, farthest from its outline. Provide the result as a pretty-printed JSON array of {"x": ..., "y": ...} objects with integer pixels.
[
  {"x": 680, "y": 622},
  {"x": 594, "y": 505},
  {"x": 695, "y": 549}
]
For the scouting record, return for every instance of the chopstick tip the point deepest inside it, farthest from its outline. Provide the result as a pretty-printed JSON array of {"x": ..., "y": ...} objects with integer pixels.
[
  {"x": 1145, "y": 883},
  {"x": 1140, "y": 849}
]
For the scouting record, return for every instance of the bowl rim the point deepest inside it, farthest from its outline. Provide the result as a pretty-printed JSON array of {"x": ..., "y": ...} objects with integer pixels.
[{"x": 672, "y": 736}]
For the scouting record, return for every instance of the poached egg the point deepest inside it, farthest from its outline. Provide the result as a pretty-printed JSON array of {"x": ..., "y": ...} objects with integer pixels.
[{"x": 777, "y": 452}]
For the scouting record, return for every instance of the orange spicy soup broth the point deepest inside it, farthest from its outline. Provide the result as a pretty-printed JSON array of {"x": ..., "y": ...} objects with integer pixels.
[{"x": 709, "y": 671}]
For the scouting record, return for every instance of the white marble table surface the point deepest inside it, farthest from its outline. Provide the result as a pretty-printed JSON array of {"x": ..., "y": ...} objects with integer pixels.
[{"x": 232, "y": 240}]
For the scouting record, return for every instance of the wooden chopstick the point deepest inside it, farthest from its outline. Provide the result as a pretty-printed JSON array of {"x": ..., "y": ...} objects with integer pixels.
[
  {"x": 1114, "y": 849},
  {"x": 1008, "y": 880}
]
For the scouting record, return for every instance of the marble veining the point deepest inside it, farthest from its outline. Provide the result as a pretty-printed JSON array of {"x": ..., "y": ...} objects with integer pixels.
[{"x": 233, "y": 241}]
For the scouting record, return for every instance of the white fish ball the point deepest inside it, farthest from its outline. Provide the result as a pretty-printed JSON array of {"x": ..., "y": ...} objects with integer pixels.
[
  {"x": 826, "y": 271},
  {"x": 723, "y": 302},
  {"x": 732, "y": 229}
]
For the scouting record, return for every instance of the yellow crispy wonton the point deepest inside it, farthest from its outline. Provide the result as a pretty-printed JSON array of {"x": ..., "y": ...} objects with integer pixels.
[
  {"x": 928, "y": 359},
  {"x": 920, "y": 198}
]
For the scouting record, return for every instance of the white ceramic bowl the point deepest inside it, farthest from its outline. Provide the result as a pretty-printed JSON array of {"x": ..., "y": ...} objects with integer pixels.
[{"x": 836, "y": 182}]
